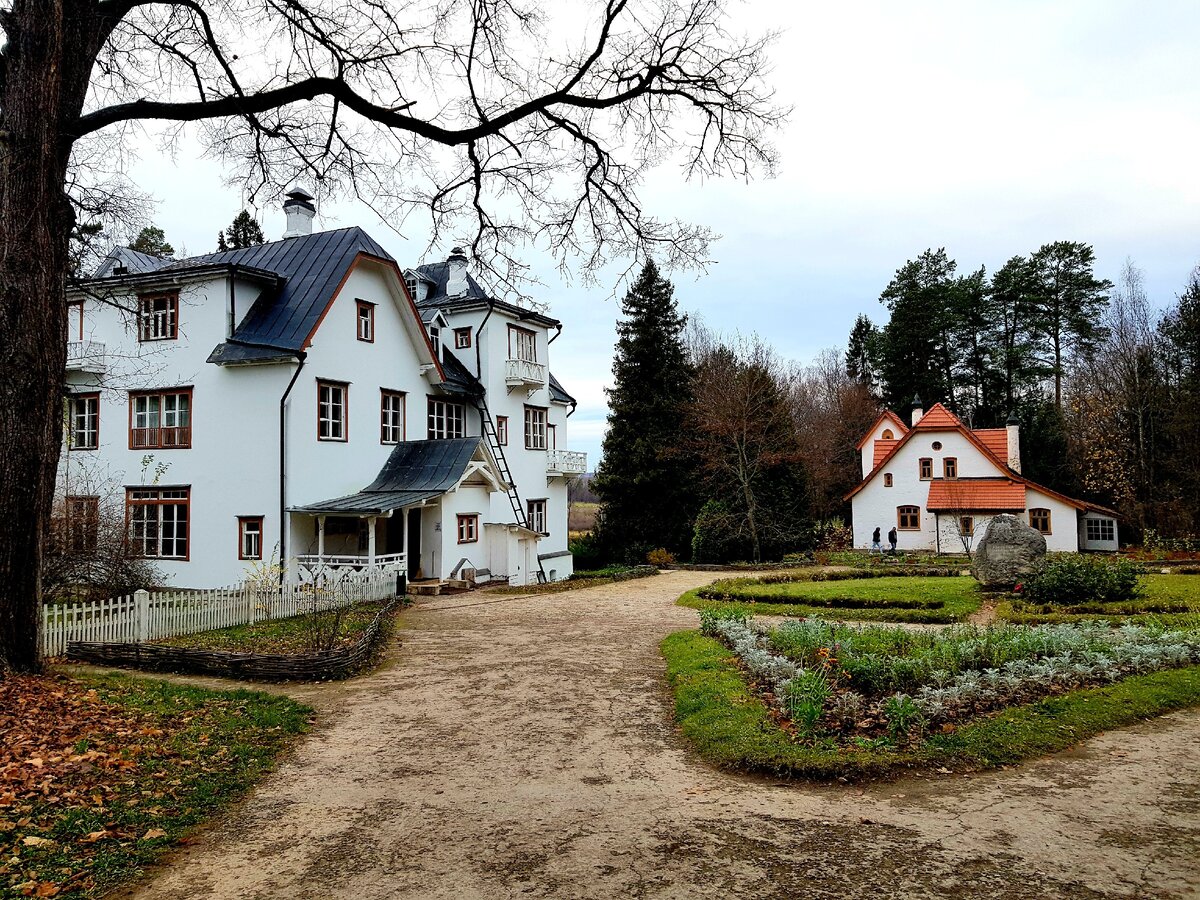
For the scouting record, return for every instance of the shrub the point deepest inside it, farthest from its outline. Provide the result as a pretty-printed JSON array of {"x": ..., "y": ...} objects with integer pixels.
[
  {"x": 833, "y": 535},
  {"x": 1079, "y": 579},
  {"x": 661, "y": 557},
  {"x": 587, "y": 551}
]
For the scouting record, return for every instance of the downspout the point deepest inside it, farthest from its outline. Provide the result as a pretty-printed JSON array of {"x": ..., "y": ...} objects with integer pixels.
[
  {"x": 479, "y": 341},
  {"x": 556, "y": 334},
  {"x": 301, "y": 356}
]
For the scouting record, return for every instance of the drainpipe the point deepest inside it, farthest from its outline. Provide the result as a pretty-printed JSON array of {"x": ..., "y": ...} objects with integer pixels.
[
  {"x": 556, "y": 334},
  {"x": 301, "y": 356},
  {"x": 479, "y": 341}
]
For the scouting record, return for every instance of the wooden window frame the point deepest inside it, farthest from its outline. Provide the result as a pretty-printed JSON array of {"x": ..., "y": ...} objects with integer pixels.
[
  {"x": 900, "y": 514},
  {"x": 431, "y": 417},
  {"x": 72, "y": 414},
  {"x": 144, "y": 317},
  {"x": 545, "y": 431},
  {"x": 925, "y": 468},
  {"x": 529, "y": 516},
  {"x": 462, "y": 338},
  {"x": 90, "y": 517},
  {"x": 1049, "y": 520},
  {"x": 410, "y": 285},
  {"x": 243, "y": 521},
  {"x": 468, "y": 523},
  {"x": 386, "y": 394},
  {"x": 888, "y": 435},
  {"x": 186, "y": 502},
  {"x": 344, "y": 387},
  {"x": 950, "y": 468},
  {"x": 182, "y": 433},
  {"x": 966, "y": 526},
  {"x": 360, "y": 307},
  {"x": 502, "y": 430},
  {"x": 888, "y": 480},
  {"x": 516, "y": 330}
]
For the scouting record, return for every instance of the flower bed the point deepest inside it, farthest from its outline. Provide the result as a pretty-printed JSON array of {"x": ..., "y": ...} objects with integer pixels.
[
  {"x": 1166, "y": 599},
  {"x": 846, "y": 685}
]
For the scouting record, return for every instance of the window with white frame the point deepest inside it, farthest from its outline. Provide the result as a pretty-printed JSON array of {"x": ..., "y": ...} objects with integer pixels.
[
  {"x": 535, "y": 428},
  {"x": 365, "y": 312},
  {"x": 160, "y": 419},
  {"x": 158, "y": 317},
  {"x": 435, "y": 338},
  {"x": 250, "y": 537},
  {"x": 84, "y": 413},
  {"x": 158, "y": 521},
  {"x": 468, "y": 528},
  {"x": 1101, "y": 529},
  {"x": 331, "y": 410},
  {"x": 446, "y": 420},
  {"x": 462, "y": 338},
  {"x": 502, "y": 430},
  {"x": 536, "y": 513},
  {"x": 391, "y": 416},
  {"x": 552, "y": 437},
  {"x": 522, "y": 344},
  {"x": 411, "y": 284}
]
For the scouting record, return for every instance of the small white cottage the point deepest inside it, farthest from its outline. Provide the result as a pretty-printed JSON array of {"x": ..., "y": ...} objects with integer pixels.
[{"x": 939, "y": 483}]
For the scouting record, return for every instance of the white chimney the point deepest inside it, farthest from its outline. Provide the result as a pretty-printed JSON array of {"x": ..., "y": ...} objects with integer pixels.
[
  {"x": 299, "y": 209},
  {"x": 1012, "y": 430},
  {"x": 918, "y": 410},
  {"x": 456, "y": 280}
]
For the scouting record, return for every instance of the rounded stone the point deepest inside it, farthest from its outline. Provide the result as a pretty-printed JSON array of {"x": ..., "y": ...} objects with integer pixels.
[{"x": 1009, "y": 551}]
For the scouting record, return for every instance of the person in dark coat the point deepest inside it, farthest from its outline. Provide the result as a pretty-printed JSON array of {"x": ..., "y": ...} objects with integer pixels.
[
  {"x": 892, "y": 538},
  {"x": 876, "y": 546}
]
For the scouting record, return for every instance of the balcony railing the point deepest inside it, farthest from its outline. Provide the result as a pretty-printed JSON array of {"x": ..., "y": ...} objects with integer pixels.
[
  {"x": 86, "y": 356},
  {"x": 566, "y": 462},
  {"x": 351, "y": 561},
  {"x": 177, "y": 437},
  {"x": 524, "y": 371}
]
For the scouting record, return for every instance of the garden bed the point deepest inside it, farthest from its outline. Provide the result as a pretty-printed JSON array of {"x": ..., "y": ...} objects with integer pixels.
[
  {"x": 874, "y": 596},
  {"x": 99, "y": 776},
  {"x": 1166, "y": 599},
  {"x": 817, "y": 700}
]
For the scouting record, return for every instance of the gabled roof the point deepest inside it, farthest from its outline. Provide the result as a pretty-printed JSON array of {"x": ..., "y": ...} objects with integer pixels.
[
  {"x": 459, "y": 379},
  {"x": 558, "y": 393},
  {"x": 133, "y": 261},
  {"x": 882, "y": 448},
  {"x": 438, "y": 274},
  {"x": 414, "y": 471},
  {"x": 996, "y": 440},
  {"x": 939, "y": 417},
  {"x": 885, "y": 416},
  {"x": 975, "y": 494}
]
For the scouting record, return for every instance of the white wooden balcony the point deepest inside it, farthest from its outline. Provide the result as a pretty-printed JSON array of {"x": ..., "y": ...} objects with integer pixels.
[
  {"x": 337, "y": 564},
  {"x": 87, "y": 356},
  {"x": 566, "y": 463},
  {"x": 524, "y": 372}
]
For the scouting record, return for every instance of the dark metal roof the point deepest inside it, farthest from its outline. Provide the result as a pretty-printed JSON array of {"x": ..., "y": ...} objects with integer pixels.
[
  {"x": 558, "y": 392},
  {"x": 459, "y": 379},
  {"x": 415, "y": 471},
  {"x": 438, "y": 274},
  {"x": 133, "y": 261},
  {"x": 311, "y": 266}
]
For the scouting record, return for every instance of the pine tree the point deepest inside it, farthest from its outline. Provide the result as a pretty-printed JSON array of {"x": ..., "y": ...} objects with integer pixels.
[
  {"x": 644, "y": 479},
  {"x": 862, "y": 353},
  {"x": 243, "y": 232},
  {"x": 152, "y": 240}
]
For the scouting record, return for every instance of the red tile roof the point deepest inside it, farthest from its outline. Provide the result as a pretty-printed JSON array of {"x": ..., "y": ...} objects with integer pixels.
[
  {"x": 939, "y": 417},
  {"x": 886, "y": 416},
  {"x": 882, "y": 449},
  {"x": 975, "y": 494},
  {"x": 996, "y": 440}
]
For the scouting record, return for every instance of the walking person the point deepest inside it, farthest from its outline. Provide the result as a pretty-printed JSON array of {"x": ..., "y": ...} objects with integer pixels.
[
  {"x": 876, "y": 546},
  {"x": 892, "y": 539}
]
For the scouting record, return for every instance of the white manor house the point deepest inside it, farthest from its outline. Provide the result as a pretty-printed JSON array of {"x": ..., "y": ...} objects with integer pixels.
[{"x": 309, "y": 401}]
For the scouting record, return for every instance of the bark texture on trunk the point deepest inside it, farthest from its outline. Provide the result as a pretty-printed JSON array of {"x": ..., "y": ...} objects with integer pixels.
[{"x": 47, "y": 64}]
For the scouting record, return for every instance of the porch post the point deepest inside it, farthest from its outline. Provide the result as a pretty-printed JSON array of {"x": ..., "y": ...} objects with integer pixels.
[
  {"x": 320, "y": 539},
  {"x": 371, "y": 540},
  {"x": 404, "y": 538}
]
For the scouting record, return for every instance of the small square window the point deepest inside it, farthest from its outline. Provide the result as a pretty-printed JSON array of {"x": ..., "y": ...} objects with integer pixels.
[
  {"x": 887, "y": 479},
  {"x": 468, "y": 528},
  {"x": 462, "y": 338}
]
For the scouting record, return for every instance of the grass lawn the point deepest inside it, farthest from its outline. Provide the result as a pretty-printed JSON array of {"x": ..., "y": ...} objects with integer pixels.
[
  {"x": 730, "y": 725},
  {"x": 887, "y": 599},
  {"x": 1169, "y": 599},
  {"x": 294, "y": 635},
  {"x": 100, "y": 775}
]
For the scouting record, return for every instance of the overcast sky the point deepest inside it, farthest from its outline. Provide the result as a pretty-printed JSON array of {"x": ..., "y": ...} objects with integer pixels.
[{"x": 988, "y": 128}]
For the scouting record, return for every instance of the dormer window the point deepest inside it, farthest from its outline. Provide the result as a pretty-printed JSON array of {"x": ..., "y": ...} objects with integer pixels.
[
  {"x": 411, "y": 284},
  {"x": 435, "y": 338},
  {"x": 365, "y": 313},
  {"x": 887, "y": 435},
  {"x": 158, "y": 317}
]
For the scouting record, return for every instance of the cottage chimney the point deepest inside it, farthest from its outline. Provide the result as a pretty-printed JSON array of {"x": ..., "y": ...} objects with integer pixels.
[
  {"x": 456, "y": 280},
  {"x": 1012, "y": 430},
  {"x": 299, "y": 209},
  {"x": 918, "y": 410}
]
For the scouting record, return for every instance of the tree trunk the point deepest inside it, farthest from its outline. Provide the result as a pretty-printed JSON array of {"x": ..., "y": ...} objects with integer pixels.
[{"x": 47, "y": 66}]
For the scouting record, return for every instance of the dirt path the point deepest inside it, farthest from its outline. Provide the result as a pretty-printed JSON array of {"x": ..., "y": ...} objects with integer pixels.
[{"x": 523, "y": 747}]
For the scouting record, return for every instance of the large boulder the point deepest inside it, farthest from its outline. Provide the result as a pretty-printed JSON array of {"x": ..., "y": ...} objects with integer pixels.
[{"x": 1009, "y": 551}]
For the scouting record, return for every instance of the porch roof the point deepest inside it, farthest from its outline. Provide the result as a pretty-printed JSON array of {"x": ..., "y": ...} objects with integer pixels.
[{"x": 366, "y": 503}]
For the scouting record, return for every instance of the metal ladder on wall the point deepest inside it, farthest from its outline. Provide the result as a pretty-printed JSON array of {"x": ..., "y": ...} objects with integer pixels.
[{"x": 514, "y": 498}]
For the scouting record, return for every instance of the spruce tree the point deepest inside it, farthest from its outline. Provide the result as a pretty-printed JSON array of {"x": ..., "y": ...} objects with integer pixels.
[
  {"x": 153, "y": 241},
  {"x": 243, "y": 232},
  {"x": 644, "y": 479}
]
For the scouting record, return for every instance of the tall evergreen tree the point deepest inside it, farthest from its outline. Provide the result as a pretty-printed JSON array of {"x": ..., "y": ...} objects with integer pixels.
[
  {"x": 644, "y": 479},
  {"x": 243, "y": 232},
  {"x": 862, "y": 352},
  {"x": 1014, "y": 349},
  {"x": 152, "y": 240}
]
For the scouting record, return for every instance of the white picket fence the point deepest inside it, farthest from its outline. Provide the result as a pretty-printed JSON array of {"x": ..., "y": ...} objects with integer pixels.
[{"x": 148, "y": 616}]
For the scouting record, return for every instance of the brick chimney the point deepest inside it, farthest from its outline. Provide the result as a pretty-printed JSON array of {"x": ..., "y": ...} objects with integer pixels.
[
  {"x": 918, "y": 410},
  {"x": 299, "y": 209},
  {"x": 456, "y": 281},
  {"x": 1012, "y": 430}
]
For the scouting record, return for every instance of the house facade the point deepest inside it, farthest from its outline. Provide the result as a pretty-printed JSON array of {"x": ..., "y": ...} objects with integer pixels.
[
  {"x": 295, "y": 402},
  {"x": 939, "y": 483}
]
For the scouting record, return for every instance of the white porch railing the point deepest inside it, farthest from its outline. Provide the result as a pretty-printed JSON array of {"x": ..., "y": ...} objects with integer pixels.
[
  {"x": 566, "y": 462},
  {"x": 524, "y": 371},
  {"x": 86, "y": 356},
  {"x": 146, "y": 616}
]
